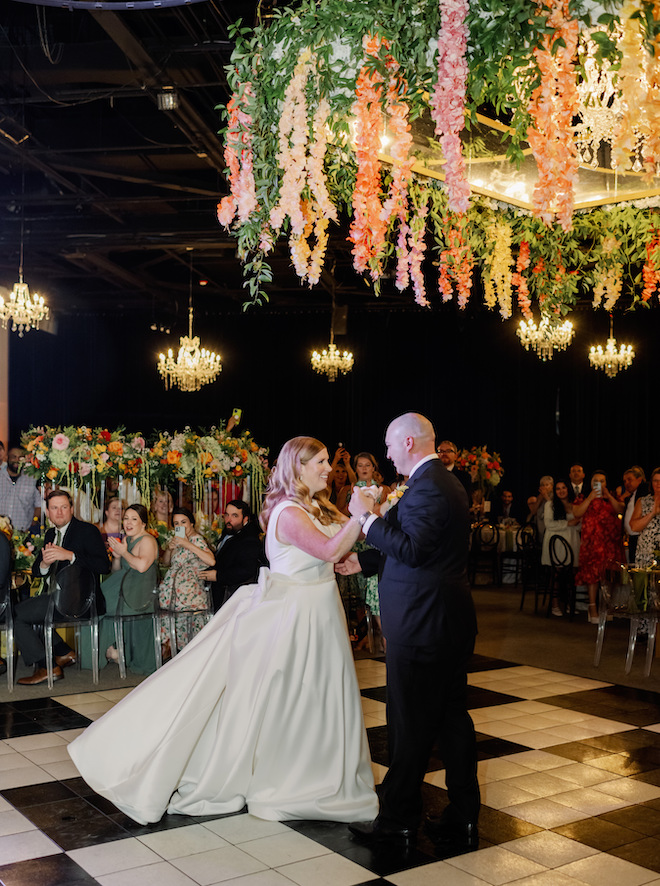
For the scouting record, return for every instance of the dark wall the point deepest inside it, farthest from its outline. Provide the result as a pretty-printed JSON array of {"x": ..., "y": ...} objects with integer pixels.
[{"x": 468, "y": 373}]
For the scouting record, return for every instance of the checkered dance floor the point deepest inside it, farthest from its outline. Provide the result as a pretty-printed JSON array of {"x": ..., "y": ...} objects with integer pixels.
[{"x": 569, "y": 769}]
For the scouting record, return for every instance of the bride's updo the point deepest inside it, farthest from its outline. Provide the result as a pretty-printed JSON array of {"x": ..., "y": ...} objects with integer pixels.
[{"x": 285, "y": 482}]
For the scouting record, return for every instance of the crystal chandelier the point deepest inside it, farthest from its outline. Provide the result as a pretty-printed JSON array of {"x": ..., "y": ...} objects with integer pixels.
[
  {"x": 547, "y": 337},
  {"x": 609, "y": 359},
  {"x": 194, "y": 366},
  {"x": 25, "y": 310},
  {"x": 331, "y": 361}
]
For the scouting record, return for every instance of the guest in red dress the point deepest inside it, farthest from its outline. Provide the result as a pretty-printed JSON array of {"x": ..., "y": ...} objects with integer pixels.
[{"x": 602, "y": 537}]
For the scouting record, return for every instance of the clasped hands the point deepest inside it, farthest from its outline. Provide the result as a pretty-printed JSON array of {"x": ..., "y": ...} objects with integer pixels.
[
  {"x": 117, "y": 547},
  {"x": 51, "y": 553},
  {"x": 362, "y": 500}
]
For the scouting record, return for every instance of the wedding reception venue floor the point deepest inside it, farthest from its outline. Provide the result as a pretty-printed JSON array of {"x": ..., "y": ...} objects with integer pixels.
[{"x": 569, "y": 766}]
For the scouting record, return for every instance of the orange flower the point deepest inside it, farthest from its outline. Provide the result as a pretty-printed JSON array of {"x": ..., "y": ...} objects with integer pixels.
[
  {"x": 173, "y": 457},
  {"x": 116, "y": 447},
  {"x": 238, "y": 470},
  {"x": 52, "y": 473}
]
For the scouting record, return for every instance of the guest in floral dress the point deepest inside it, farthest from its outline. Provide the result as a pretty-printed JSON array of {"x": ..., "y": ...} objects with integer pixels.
[
  {"x": 646, "y": 521},
  {"x": 183, "y": 587},
  {"x": 602, "y": 537}
]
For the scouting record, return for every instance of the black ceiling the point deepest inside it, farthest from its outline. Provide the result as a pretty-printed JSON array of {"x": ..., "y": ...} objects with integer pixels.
[{"x": 111, "y": 192}]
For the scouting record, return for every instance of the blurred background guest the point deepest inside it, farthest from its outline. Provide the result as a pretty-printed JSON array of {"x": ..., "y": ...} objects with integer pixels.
[
  {"x": 162, "y": 506},
  {"x": 646, "y": 521},
  {"x": 111, "y": 525},
  {"x": 601, "y": 536},
  {"x": 635, "y": 487}
]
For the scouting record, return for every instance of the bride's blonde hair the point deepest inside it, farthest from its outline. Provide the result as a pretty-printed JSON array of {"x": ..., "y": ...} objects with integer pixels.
[{"x": 285, "y": 483}]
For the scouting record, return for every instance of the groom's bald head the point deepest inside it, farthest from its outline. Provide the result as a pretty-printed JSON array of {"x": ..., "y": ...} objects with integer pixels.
[{"x": 409, "y": 438}]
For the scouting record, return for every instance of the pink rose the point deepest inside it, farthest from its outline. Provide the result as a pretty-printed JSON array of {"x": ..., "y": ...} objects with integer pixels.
[
  {"x": 104, "y": 456},
  {"x": 85, "y": 469},
  {"x": 60, "y": 442},
  {"x": 138, "y": 443}
]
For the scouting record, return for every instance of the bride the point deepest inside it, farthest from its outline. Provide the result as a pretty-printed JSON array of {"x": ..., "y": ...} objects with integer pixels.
[{"x": 262, "y": 708}]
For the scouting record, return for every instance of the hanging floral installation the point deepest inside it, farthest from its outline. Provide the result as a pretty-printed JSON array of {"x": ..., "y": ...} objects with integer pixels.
[{"x": 361, "y": 117}]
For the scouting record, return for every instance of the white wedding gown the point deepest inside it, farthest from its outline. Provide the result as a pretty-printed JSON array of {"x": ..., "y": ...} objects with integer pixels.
[{"x": 261, "y": 708}]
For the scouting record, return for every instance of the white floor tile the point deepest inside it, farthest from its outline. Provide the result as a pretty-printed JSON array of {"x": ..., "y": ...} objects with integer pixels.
[
  {"x": 549, "y": 849},
  {"x": 62, "y": 770},
  {"x": 28, "y": 844},
  {"x": 284, "y": 849},
  {"x": 536, "y": 759},
  {"x": 499, "y": 728},
  {"x": 107, "y": 858},
  {"x": 178, "y": 842},
  {"x": 580, "y": 773},
  {"x": 496, "y": 865},
  {"x": 69, "y": 734},
  {"x": 261, "y": 878},
  {"x": 545, "y": 813},
  {"x": 87, "y": 708},
  {"x": 608, "y": 870},
  {"x": 537, "y": 740},
  {"x": 237, "y": 829},
  {"x": 54, "y": 754},
  {"x": 13, "y": 760},
  {"x": 630, "y": 790},
  {"x": 381, "y": 771},
  {"x": 32, "y": 742},
  {"x": 228, "y": 863},
  {"x": 499, "y": 768},
  {"x": 23, "y": 776},
  {"x": 549, "y": 878},
  {"x": 326, "y": 870},
  {"x": 437, "y": 778},
  {"x": 499, "y": 794},
  {"x": 12, "y": 822},
  {"x": 541, "y": 784},
  {"x": 590, "y": 801},
  {"x": 162, "y": 874}
]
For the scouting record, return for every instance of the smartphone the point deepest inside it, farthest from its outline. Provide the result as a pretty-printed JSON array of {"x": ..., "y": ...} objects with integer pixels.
[
  {"x": 236, "y": 415},
  {"x": 180, "y": 531},
  {"x": 598, "y": 488}
]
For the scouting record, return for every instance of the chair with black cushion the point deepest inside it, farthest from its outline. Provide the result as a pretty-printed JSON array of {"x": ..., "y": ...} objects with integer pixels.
[
  {"x": 532, "y": 574},
  {"x": 133, "y": 605},
  {"x": 562, "y": 581},
  {"x": 171, "y": 615},
  {"x": 484, "y": 553},
  {"x": 72, "y": 603}
]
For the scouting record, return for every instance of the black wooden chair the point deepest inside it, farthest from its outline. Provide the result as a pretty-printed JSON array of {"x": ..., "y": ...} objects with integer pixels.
[
  {"x": 562, "y": 577},
  {"x": 484, "y": 553}
]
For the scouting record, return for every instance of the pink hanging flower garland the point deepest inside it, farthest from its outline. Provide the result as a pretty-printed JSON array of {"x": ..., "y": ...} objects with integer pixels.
[
  {"x": 448, "y": 99},
  {"x": 242, "y": 199},
  {"x": 456, "y": 261}
]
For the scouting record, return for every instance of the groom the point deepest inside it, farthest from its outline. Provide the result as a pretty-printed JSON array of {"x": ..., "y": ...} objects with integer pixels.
[{"x": 429, "y": 622}]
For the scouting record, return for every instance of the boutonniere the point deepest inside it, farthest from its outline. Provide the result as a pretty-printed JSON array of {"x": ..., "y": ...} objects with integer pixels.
[{"x": 396, "y": 494}]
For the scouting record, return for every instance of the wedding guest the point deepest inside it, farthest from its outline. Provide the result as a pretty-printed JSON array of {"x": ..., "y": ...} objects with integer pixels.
[
  {"x": 68, "y": 540},
  {"x": 238, "y": 557},
  {"x": 634, "y": 488},
  {"x": 537, "y": 507},
  {"x": 646, "y": 521},
  {"x": 19, "y": 496},
  {"x": 110, "y": 527},
  {"x": 183, "y": 586},
  {"x": 135, "y": 574},
  {"x": 576, "y": 476},
  {"x": 601, "y": 536},
  {"x": 504, "y": 509},
  {"x": 341, "y": 474},
  {"x": 367, "y": 474},
  {"x": 559, "y": 520},
  {"x": 448, "y": 453},
  {"x": 162, "y": 506}
]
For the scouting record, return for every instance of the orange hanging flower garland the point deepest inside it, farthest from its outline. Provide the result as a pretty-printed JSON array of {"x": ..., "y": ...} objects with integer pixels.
[
  {"x": 519, "y": 280},
  {"x": 242, "y": 199},
  {"x": 553, "y": 105},
  {"x": 651, "y": 269}
]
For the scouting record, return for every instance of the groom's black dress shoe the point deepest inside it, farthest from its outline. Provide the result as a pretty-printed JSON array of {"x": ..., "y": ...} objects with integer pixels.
[
  {"x": 451, "y": 838},
  {"x": 373, "y": 833}
]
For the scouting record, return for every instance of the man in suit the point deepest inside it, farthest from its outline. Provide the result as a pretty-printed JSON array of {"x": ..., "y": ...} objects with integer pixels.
[
  {"x": 504, "y": 508},
  {"x": 67, "y": 541},
  {"x": 576, "y": 476},
  {"x": 636, "y": 487},
  {"x": 448, "y": 454},
  {"x": 239, "y": 555},
  {"x": 429, "y": 622}
]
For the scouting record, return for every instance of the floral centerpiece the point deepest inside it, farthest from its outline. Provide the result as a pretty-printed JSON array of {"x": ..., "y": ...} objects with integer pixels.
[{"x": 484, "y": 468}]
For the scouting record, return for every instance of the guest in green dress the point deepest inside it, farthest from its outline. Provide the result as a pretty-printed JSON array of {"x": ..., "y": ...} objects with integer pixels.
[{"x": 135, "y": 572}]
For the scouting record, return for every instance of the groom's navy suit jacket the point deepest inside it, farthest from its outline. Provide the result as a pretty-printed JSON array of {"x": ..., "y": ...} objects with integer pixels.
[{"x": 424, "y": 592}]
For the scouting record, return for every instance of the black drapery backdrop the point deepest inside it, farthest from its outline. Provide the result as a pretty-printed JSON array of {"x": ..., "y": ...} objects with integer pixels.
[{"x": 467, "y": 372}]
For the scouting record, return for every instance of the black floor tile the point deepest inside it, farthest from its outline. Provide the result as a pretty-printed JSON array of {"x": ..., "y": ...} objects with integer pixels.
[
  {"x": 379, "y": 693},
  {"x": 498, "y": 827},
  {"x": 598, "y": 833},
  {"x": 652, "y": 777},
  {"x": 485, "y": 663},
  {"x": 37, "y": 794},
  {"x": 577, "y": 751},
  {"x": 32, "y": 704},
  {"x": 377, "y": 737},
  {"x": 485, "y": 698},
  {"x": 638, "y": 818},
  {"x": 489, "y": 747},
  {"x": 51, "y": 870},
  {"x": 621, "y": 764},
  {"x": 644, "y": 852},
  {"x": 74, "y": 823}
]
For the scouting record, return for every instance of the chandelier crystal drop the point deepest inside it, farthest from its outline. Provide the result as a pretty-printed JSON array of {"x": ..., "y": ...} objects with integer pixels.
[
  {"x": 547, "y": 337},
  {"x": 25, "y": 310},
  {"x": 194, "y": 366},
  {"x": 609, "y": 358}
]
